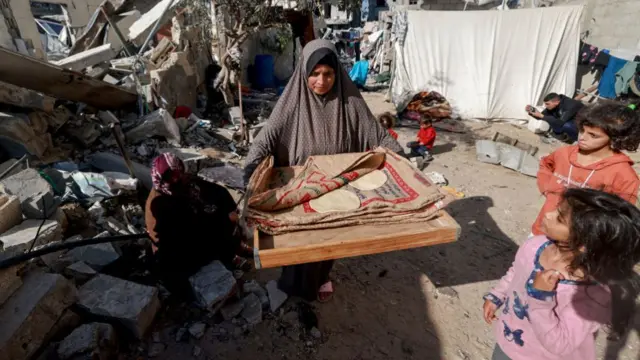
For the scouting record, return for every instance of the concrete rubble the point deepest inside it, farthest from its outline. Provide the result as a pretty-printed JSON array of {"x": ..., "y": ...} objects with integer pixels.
[
  {"x": 102, "y": 297},
  {"x": 95, "y": 341},
  {"x": 508, "y": 156},
  {"x": 212, "y": 284}
]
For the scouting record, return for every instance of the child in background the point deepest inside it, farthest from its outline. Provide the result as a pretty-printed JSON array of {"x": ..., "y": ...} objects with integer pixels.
[
  {"x": 424, "y": 141},
  {"x": 554, "y": 298},
  {"x": 388, "y": 122},
  {"x": 596, "y": 162}
]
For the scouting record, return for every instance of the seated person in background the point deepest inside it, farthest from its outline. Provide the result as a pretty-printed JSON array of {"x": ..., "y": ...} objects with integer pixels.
[
  {"x": 424, "y": 142},
  {"x": 191, "y": 222},
  {"x": 388, "y": 121},
  {"x": 560, "y": 112}
]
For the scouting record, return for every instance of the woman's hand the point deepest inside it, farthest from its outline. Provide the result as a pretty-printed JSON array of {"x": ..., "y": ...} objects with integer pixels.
[
  {"x": 547, "y": 280},
  {"x": 489, "y": 311},
  {"x": 233, "y": 216}
]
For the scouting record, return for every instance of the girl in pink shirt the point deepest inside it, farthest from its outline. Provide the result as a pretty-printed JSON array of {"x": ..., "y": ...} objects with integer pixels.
[{"x": 553, "y": 299}]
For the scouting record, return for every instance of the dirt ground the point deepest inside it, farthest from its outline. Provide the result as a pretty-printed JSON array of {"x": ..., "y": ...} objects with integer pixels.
[{"x": 416, "y": 304}]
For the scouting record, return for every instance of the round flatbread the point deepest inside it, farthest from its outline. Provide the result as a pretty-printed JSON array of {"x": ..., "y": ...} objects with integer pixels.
[
  {"x": 370, "y": 181},
  {"x": 336, "y": 200}
]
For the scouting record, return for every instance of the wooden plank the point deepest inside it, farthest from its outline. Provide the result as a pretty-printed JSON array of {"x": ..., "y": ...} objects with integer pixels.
[
  {"x": 61, "y": 83},
  {"x": 310, "y": 246}
]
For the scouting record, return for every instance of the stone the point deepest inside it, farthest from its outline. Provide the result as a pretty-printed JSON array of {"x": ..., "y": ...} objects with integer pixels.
[
  {"x": 35, "y": 193},
  {"x": 315, "y": 332},
  {"x": 176, "y": 81},
  {"x": 85, "y": 134},
  {"x": 19, "y": 238},
  {"x": 156, "y": 349},
  {"x": 291, "y": 318},
  {"x": 64, "y": 326},
  {"x": 10, "y": 281},
  {"x": 277, "y": 297},
  {"x": 18, "y": 137},
  {"x": 197, "y": 350},
  {"x": 447, "y": 291},
  {"x": 197, "y": 330},
  {"x": 157, "y": 123},
  {"x": 232, "y": 310},
  {"x": 31, "y": 312},
  {"x": 95, "y": 340},
  {"x": 252, "y": 311},
  {"x": 130, "y": 304},
  {"x": 212, "y": 284},
  {"x": 9, "y": 163},
  {"x": 91, "y": 57},
  {"x": 254, "y": 288},
  {"x": 10, "y": 213},
  {"x": 80, "y": 272},
  {"x": 25, "y": 98},
  {"x": 97, "y": 256},
  {"x": 55, "y": 261},
  {"x": 180, "y": 334}
]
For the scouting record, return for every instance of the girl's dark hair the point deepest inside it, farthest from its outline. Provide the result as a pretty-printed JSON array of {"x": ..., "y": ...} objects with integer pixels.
[
  {"x": 620, "y": 122},
  {"x": 604, "y": 234},
  {"x": 426, "y": 121},
  {"x": 388, "y": 118}
]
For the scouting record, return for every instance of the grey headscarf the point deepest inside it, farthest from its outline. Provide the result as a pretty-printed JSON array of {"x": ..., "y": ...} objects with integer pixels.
[{"x": 303, "y": 124}]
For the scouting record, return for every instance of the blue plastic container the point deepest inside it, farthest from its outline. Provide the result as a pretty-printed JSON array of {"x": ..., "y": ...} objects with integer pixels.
[{"x": 263, "y": 72}]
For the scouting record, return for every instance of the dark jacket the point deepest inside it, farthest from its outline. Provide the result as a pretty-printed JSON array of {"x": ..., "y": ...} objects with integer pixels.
[{"x": 564, "y": 112}]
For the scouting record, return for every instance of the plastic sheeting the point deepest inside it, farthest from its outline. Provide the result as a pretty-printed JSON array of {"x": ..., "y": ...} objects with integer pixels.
[{"x": 488, "y": 64}]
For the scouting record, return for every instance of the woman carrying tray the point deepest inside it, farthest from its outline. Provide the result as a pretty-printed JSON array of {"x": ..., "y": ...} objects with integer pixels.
[{"x": 321, "y": 112}]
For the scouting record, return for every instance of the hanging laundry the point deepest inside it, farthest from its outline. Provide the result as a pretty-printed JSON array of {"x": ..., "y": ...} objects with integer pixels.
[
  {"x": 359, "y": 72},
  {"x": 588, "y": 54},
  {"x": 601, "y": 61},
  {"x": 607, "y": 87},
  {"x": 624, "y": 77}
]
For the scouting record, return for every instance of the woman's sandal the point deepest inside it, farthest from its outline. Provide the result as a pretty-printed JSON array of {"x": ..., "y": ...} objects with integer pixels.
[{"x": 325, "y": 293}]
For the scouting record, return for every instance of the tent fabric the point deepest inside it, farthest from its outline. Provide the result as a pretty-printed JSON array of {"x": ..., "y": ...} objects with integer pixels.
[{"x": 489, "y": 64}]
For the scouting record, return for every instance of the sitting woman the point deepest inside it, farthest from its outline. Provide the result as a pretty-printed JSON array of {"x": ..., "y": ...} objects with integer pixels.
[
  {"x": 321, "y": 112},
  {"x": 191, "y": 222}
]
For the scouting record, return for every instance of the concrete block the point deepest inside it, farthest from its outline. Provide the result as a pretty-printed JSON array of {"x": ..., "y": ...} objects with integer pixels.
[
  {"x": 18, "y": 137},
  {"x": 157, "y": 123},
  {"x": 252, "y": 287},
  {"x": 35, "y": 193},
  {"x": 10, "y": 213},
  {"x": 19, "y": 238},
  {"x": 91, "y": 57},
  {"x": 10, "y": 281},
  {"x": 80, "y": 272},
  {"x": 30, "y": 314},
  {"x": 487, "y": 152},
  {"x": 125, "y": 302},
  {"x": 235, "y": 115},
  {"x": 39, "y": 205},
  {"x": 95, "y": 341},
  {"x": 212, "y": 284},
  {"x": 96, "y": 256},
  {"x": 68, "y": 321}
]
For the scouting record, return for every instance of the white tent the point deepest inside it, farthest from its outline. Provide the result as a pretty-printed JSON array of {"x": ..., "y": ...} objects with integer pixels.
[{"x": 489, "y": 64}]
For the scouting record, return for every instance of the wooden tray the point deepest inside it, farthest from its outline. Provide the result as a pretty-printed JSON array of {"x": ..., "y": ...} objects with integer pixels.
[{"x": 302, "y": 247}]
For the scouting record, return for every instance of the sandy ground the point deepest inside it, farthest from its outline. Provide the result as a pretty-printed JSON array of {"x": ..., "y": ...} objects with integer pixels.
[{"x": 416, "y": 304}]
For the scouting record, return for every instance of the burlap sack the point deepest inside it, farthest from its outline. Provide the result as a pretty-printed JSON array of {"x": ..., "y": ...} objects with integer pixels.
[{"x": 407, "y": 196}]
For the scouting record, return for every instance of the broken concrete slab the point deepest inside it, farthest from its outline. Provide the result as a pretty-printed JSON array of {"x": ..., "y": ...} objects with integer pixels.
[
  {"x": 10, "y": 281},
  {"x": 252, "y": 311},
  {"x": 112, "y": 162},
  {"x": 25, "y": 98},
  {"x": 212, "y": 284},
  {"x": 508, "y": 156},
  {"x": 10, "y": 213},
  {"x": 19, "y": 238},
  {"x": 176, "y": 81},
  {"x": 487, "y": 152},
  {"x": 97, "y": 256},
  {"x": 95, "y": 341},
  {"x": 80, "y": 272},
  {"x": 235, "y": 115},
  {"x": 35, "y": 193},
  {"x": 31, "y": 312},
  {"x": 91, "y": 57},
  {"x": 139, "y": 30},
  {"x": 277, "y": 297},
  {"x": 68, "y": 321},
  {"x": 232, "y": 310},
  {"x": 9, "y": 163},
  {"x": 157, "y": 123},
  {"x": 125, "y": 302},
  {"x": 18, "y": 137}
]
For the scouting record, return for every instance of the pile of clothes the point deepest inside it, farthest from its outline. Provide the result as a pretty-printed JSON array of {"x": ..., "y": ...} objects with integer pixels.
[{"x": 428, "y": 104}]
